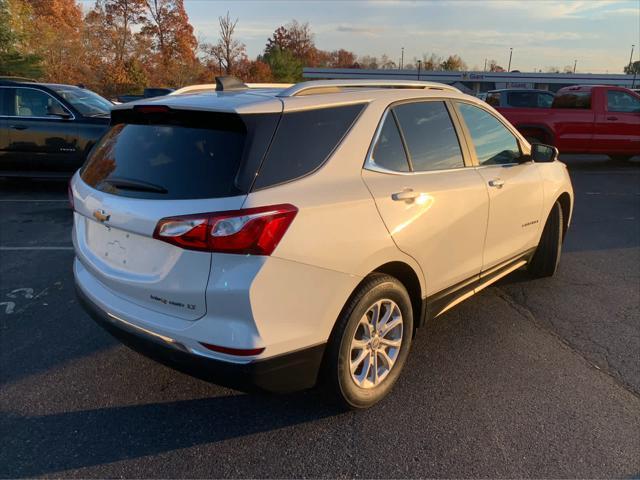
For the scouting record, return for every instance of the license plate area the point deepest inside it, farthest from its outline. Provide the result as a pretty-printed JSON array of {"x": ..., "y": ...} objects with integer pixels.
[{"x": 128, "y": 252}]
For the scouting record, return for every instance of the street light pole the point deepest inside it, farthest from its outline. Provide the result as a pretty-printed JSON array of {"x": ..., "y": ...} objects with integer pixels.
[
  {"x": 419, "y": 67},
  {"x": 631, "y": 57},
  {"x": 510, "y": 55},
  {"x": 402, "y": 59},
  {"x": 485, "y": 65},
  {"x": 575, "y": 62}
]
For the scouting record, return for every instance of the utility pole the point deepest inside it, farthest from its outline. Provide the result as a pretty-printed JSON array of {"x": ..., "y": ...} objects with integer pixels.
[
  {"x": 575, "y": 62},
  {"x": 510, "y": 55},
  {"x": 485, "y": 65},
  {"x": 419, "y": 67},
  {"x": 631, "y": 57},
  {"x": 402, "y": 59}
]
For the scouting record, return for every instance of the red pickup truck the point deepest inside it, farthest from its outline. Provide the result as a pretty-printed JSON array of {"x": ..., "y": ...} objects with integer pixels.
[{"x": 584, "y": 119}]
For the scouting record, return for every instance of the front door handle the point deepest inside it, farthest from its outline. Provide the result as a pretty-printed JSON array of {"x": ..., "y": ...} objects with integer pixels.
[
  {"x": 496, "y": 183},
  {"x": 407, "y": 195},
  {"x": 612, "y": 118},
  {"x": 18, "y": 127}
]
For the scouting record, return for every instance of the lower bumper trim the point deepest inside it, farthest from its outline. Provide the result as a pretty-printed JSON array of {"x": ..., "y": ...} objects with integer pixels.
[{"x": 281, "y": 374}]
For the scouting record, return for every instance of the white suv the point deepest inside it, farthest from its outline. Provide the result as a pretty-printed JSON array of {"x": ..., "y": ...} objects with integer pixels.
[{"x": 279, "y": 238}]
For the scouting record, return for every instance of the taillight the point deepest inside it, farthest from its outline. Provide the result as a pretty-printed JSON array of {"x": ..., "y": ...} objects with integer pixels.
[{"x": 255, "y": 231}]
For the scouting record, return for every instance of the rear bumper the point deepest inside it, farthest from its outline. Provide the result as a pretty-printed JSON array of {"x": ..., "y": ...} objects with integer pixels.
[{"x": 280, "y": 374}]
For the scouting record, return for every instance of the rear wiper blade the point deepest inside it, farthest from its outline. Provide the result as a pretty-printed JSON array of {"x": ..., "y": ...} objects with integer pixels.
[{"x": 137, "y": 185}]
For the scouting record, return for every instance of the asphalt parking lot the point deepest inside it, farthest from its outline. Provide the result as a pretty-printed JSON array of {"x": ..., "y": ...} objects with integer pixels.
[{"x": 530, "y": 378}]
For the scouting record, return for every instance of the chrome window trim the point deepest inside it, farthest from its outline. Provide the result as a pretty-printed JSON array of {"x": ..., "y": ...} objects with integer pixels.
[
  {"x": 73, "y": 117},
  {"x": 370, "y": 163}
]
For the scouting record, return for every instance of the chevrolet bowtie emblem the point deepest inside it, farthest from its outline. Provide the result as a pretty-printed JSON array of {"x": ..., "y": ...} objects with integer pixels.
[{"x": 101, "y": 215}]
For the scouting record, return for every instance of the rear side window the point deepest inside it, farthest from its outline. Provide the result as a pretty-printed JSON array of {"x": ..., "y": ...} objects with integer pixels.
[
  {"x": 303, "y": 142},
  {"x": 389, "y": 152},
  {"x": 167, "y": 158},
  {"x": 573, "y": 100},
  {"x": 430, "y": 136},
  {"x": 494, "y": 143}
]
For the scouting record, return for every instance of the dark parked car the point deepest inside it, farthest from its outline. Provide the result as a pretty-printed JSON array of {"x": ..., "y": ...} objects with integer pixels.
[
  {"x": 148, "y": 93},
  {"x": 47, "y": 130},
  {"x": 519, "y": 98}
]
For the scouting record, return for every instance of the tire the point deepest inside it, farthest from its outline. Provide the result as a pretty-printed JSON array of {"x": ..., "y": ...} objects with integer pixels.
[
  {"x": 547, "y": 256},
  {"x": 620, "y": 158},
  {"x": 338, "y": 384}
]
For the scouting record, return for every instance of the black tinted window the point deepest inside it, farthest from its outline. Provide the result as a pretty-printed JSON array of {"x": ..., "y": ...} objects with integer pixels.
[
  {"x": 4, "y": 104},
  {"x": 622, "y": 102},
  {"x": 168, "y": 161},
  {"x": 573, "y": 100},
  {"x": 389, "y": 152},
  {"x": 493, "y": 99},
  {"x": 430, "y": 136},
  {"x": 529, "y": 99},
  {"x": 303, "y": 141},
  {"x": 493, "y": 142}
]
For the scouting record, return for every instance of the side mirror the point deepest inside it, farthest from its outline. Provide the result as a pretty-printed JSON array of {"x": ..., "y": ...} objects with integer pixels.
[
  {"x": 544, "y": 153},
  {"x": 58, "y": 110}
]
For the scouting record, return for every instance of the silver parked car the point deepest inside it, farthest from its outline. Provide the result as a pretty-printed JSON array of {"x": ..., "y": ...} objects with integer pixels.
[{"x": 280, "y": 238}]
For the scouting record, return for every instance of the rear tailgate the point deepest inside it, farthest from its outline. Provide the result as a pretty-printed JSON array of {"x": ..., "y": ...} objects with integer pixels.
[
  {"x": 150, "y": 166},
  {"x": 122, "y": 253}
]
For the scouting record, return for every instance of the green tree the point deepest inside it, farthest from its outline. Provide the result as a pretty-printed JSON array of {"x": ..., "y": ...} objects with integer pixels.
[
  {"x": 285, "y": 67},
  {"x": 633, "y": 68},
  {"x": 453, "y": 63},
  {"x": 12, "y": 61}
]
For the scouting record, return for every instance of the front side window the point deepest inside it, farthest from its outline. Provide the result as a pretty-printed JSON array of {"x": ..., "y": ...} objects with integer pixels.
[
  {"x": 28, "y": 102},
  {"x": 430, "y": 136},
  {"x": 388, "y": 152},
  {"x": 622, "y": 102},
  {"x": 88, "y": 103},
  {"x": 494, "y": 143}
]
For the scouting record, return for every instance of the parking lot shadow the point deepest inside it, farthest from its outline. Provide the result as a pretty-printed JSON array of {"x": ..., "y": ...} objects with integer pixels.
[{"x": 52, "y": 443}]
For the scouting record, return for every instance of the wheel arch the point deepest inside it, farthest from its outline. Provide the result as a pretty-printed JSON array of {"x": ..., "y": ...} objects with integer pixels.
[
  {"x": 565, "y": 203},
  {"x": 409, "y": 278}
]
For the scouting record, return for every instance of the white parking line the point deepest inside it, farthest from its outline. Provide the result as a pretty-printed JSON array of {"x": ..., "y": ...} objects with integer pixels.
[{"x": 13, "y": 249}]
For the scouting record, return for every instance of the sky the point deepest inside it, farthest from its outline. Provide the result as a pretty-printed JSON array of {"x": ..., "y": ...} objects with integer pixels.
[{"x": 596, "y": 33}]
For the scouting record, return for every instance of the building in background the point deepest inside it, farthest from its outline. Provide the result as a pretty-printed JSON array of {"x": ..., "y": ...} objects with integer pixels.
[{"x": 478, "y": 82}]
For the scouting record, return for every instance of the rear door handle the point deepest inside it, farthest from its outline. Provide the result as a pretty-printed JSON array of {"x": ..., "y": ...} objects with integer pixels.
[
  {"x": 18, "y": 127},
  {"x": 612, "y": 118},
  {"x": 407, "y": 195},
  {"x": 496, "y": 183}
]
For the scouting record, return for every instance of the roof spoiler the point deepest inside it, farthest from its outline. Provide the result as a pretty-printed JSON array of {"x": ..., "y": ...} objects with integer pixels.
[{"x": 229, "y": 83}]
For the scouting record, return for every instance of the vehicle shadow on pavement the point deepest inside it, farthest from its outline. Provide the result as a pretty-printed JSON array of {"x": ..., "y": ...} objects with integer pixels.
[{"x": 127, "y": 432}]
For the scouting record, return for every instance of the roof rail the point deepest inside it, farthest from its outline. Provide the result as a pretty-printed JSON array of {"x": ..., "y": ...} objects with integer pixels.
[
  {"x": 332, "y": 86},
  {"x": 9, "y": 78}
]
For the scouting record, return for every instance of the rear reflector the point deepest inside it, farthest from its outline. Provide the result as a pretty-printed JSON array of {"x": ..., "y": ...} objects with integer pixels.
[
  {"x": 254, "y": 231},
  {"x": 240, "y": 352}
]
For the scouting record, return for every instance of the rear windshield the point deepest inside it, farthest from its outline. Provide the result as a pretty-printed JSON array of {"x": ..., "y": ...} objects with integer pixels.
[
  {"x": 573, "y": 100},
  {"x": 175, "y": 156},
  {"x": 529, "y": 99}
]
